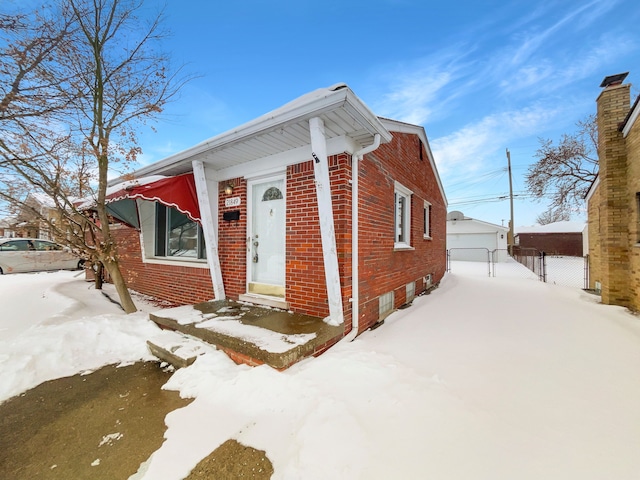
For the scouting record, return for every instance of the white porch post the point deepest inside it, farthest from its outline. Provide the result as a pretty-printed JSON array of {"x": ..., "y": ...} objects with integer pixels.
[
  {"x": 325, "y": 211},
  {"x": 208, "y": 203}
]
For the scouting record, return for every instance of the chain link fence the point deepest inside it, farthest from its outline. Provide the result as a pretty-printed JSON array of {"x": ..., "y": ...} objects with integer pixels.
[{"x": 525, "y": 263}]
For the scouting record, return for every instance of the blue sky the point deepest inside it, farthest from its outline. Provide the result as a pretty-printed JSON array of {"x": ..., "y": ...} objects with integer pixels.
[{"x": 480, "y": 77}]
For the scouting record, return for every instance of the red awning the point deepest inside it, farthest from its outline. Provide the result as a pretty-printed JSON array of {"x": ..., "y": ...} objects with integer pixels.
[{"x": 177, "y": 192}]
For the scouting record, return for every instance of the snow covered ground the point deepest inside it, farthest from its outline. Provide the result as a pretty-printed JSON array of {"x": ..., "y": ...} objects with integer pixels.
[{"x": 486, "y": 378}]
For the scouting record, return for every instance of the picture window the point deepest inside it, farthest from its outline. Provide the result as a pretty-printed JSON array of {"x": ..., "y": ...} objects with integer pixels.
[{"x": 177, "y": 235}]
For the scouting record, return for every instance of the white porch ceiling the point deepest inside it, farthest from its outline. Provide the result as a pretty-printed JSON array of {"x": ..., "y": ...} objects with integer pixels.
[{"x": 283, "y": 130}]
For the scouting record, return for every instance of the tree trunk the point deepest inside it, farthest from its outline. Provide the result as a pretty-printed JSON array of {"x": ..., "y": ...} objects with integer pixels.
[
  {"x": 121, "y": 287},
  {"x": 98, "y": 276}
]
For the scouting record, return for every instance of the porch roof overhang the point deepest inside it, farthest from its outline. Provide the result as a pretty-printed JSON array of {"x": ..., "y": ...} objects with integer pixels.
[{"x": 281, "y": 137}]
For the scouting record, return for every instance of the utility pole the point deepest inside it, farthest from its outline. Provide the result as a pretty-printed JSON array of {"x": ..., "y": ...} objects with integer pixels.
[{"x": 510, "y": 235}]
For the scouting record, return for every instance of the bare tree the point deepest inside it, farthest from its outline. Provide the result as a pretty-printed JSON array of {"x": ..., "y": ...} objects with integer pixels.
[
  {"x": 564, "y": 172},
  {"x": 32, "y": 100},
  {"x": 552, "y": 216},
  {"x": 109, "y": 79}
]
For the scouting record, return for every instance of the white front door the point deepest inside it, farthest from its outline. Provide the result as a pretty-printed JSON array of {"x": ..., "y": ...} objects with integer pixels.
[{"x": 266, "y": 252}]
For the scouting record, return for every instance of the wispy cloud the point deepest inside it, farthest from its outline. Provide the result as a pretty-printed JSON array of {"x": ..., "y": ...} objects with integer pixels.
[
  {"x": 418, "y": 92},
  {"x": 536, "y": 38},
  {"x": 534, "y": 61},
  {"x": 473, "y": 146},
  {"x": 548, "y": 74}
]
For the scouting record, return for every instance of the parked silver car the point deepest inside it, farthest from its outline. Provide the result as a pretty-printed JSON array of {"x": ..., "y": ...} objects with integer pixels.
[{"x": 32, "y": 254}]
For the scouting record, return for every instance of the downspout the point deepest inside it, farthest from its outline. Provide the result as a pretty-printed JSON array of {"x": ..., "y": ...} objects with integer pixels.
[{"x": 355, "y": 244}]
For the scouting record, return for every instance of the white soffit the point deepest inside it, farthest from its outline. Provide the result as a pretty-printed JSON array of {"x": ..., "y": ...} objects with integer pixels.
[{"x": 281, "y": 130}]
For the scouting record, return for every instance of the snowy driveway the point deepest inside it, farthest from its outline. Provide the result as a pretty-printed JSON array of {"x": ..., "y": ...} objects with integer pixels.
[{"x": 486, "y": 378}]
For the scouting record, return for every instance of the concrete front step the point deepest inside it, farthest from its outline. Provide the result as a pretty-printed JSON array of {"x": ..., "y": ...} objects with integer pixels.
[
  {"x": 176, "y": 349},
  {"x": 251, "y": 334}
]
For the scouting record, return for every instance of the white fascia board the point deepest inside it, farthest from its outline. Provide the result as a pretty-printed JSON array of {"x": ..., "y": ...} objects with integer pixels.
[
  {"x": 632, "y": 119},
  {"x": 279, "y": 161},
  {"x": 361, "y": 112},
  {"x": 402, "y": 127},
  {"x": 471, "y": 225},
  {"x": 310, "y": 105},
  {"x": 592, "y": 189},
  {"x": 490, "y": 225}
]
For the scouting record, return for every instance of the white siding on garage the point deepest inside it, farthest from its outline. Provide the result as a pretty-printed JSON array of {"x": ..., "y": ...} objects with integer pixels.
[
  {"x": 471, "y": 246},
  {"x": 472, "y": 240}
]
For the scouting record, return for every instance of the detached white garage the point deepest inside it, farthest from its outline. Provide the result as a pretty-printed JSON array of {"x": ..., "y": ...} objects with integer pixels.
[{"x": 472, "y": 240}]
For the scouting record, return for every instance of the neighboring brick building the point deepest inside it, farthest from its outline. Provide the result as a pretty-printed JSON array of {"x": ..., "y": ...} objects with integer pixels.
[
  {"x": 558, "y": 238},
  {"x": 613, "y": 200},
  {"x": 275, "y": 206}
]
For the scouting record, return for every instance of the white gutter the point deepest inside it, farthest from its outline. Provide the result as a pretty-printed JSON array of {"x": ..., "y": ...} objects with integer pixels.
[{"x": 355, "y": 215}]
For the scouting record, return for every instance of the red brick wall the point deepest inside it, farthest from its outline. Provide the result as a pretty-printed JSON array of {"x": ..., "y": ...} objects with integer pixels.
[
  {"x": 232, "y": 240},
  {"x": 553, "y": 243},
  {"x": 176, "y": 284},
  {"x": 305, "y": 277},
  {"x": 382, "y": 269}
]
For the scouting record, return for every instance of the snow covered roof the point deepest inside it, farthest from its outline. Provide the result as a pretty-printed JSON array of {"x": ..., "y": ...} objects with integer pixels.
[
  {"x": 468, "y": 223},
  {"x": 349, "y": 126},
  {"x": 556, "y": 227},
  {"x": 43, "y": 199}
]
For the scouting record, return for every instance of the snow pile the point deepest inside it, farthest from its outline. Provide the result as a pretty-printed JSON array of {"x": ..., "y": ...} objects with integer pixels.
[
  {"x": 47, "y": 335},
  {"x": 486, "y": 378}
]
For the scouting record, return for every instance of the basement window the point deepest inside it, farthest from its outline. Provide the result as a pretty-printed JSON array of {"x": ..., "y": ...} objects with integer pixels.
[
  {"x": 402, "y": 219},
  {"x": 385, "y": 305},
  {"x": 411, "y": 291}
]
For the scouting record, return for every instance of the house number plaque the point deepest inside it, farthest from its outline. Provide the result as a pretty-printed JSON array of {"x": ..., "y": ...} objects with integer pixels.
[{"x": 232, "y": 202}]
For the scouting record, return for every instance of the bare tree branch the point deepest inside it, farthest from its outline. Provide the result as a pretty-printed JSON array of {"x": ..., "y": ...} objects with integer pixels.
[
  {"x": 564, "y": 172},
  {"x": 77, "y": 77}
]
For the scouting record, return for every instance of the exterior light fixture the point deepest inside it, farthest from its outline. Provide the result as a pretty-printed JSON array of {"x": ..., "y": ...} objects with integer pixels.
[{"x": 228, "y": 189}]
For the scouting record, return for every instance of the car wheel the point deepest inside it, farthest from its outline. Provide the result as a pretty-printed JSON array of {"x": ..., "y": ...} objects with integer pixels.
[
  {"x": 80, "y": 264},
  {"x": 1, "y": 272}
]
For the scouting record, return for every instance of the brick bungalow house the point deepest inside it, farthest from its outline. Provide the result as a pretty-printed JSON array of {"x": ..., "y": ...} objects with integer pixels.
[
  {"x": 613, "y": 200},
  {"x": 264, "y": 213}
]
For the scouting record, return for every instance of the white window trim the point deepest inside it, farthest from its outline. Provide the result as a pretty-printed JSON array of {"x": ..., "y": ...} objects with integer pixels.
[
  {"x": 400, "y": 189},
  {"x": 427, "y": 220},
  {"x": 147, "y": 240},
  {"x": 195, "y": 263}
]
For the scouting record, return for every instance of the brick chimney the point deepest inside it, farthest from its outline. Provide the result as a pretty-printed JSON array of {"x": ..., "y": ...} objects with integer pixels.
[{"x": 613, "y": 105}]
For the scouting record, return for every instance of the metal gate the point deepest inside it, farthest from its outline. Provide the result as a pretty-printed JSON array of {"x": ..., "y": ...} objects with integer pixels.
[{"x": 556, "y": 269}]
